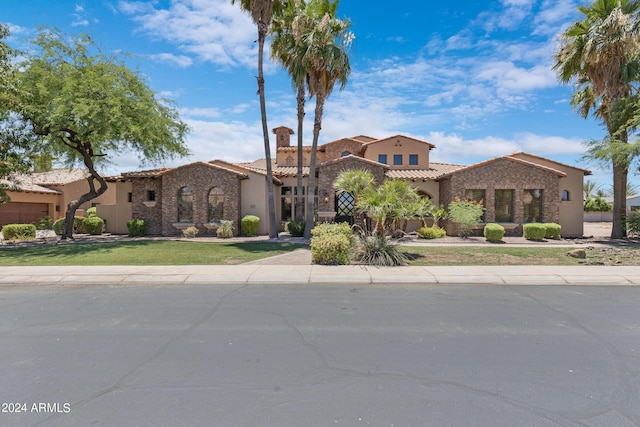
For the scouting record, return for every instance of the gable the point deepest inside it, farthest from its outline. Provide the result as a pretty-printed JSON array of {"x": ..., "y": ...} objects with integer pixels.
[{"x": 401, "y": 152}]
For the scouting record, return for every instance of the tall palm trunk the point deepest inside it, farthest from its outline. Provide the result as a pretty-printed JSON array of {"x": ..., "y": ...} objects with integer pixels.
[
  {"x": 317, "y": 125},
  {"x": 273, "y": 226},
  {"x": 299, "y": 214},
  {"x": 619, "y": 229}
]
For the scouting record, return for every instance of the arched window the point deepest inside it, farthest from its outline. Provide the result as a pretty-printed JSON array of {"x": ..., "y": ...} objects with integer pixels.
[
  {"x": 345, "y": 153},
  {"x": 289, "y": 161},
  {"x": 185, "y": 205},
  {"x": 565, "y": 196},
  {"x": 216, "y": 204}
]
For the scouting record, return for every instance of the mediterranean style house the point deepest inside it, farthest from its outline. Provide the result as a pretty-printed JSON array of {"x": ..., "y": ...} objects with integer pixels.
[{"x": 516, "y": 189}]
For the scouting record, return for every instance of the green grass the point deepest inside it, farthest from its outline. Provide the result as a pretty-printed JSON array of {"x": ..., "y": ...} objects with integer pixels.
[
  {"x": 456, "y": 255},
  {"x": 142, "y": 253}
]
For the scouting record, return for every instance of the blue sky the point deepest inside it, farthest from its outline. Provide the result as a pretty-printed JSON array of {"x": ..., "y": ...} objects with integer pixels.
[{"x": 472, "y": 77}]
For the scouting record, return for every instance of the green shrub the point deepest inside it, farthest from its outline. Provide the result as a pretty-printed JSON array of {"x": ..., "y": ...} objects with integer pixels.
[
  {"x": 249, "y": 225},
  {"x": 45, "y": 223},
  {"x": 466, "y": 214},
  {"x": 493, "y": 232},
  {"x": 58, "y": 226},
  {"x": 633, "y": 224},
  {"x": 19, "y": 231},
  {"x": 380, "y": 251},
  {"x": 91, "y": 212},
  {"x": 552, "y": 230},
  {"x": 137, "y": 227},
  {"x": 331, "y": 244},
  {"x": 93, "y": 225},
  {"x": 534, "y": 231},
  {"x": 296, "y": 228},
  {"x": 597, "y": 204},
  {"x": 190, "y": 232},
  {"x": 225, "y": 230},
  {"x": 431, "y": 232}
]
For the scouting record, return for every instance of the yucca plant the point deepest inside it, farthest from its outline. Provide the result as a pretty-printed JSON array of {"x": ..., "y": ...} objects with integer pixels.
[{"x": 379, "y": 250}]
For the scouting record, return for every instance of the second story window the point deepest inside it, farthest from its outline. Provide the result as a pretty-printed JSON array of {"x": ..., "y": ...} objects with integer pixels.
[
  {"x": 397, "y": 159},
  {"x": 151, "y": 196},
  {"x": 413, "y": 159},
  {"x": 382, "y": 158}
]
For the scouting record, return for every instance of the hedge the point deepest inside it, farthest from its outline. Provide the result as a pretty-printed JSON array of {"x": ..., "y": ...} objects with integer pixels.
[
  {"x": 534, "y": 231},
  {"x": 19, "y": 231},
  {"x": 431, "y": 232},
  {"x": 493, "y": 232},
  {"x": 93, "y": 225},
  {"x": 137, "y": 227},
  {"x": 58, "y": 226},
  {"x": 249, "y": 225},
  {"x": 552, "y": 230},
  {"x": 296, "y": 228}
]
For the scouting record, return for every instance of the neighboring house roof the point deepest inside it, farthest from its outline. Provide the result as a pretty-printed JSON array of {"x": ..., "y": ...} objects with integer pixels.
[
  {"x": 509, "y": 158},
  {"x": 26, "y": 186},
  {"x": 434, "y": 172},
  {"x": 38, "y": 182},
  {"x": 58, "y": 176},
  {"x": 586, "y": 172},
  {"x": 400, "y": 136}
]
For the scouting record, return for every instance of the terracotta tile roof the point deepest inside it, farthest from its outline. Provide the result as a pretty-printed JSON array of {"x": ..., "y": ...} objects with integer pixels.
[
  {"x": 243, "y": 168},
  {"x": 59, "y": 176},
  {"x": 38, "y": 182},
  {"x": 289, "y": 171},
  {"x": 295, "y": 148},
  {"x": 150, "y": 173},
  {"x": 435, "y": 171},
  {"x": 27, "y": 186}
]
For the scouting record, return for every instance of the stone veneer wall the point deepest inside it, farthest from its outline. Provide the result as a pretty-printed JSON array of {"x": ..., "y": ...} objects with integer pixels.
[
  {"x": 200, "y": 178},
  {"x": 151, "y": 214},
  {"x": 504, "y": 174},
  {"x": 328, "y": 174},
  {"x": 335, "y": 149}
]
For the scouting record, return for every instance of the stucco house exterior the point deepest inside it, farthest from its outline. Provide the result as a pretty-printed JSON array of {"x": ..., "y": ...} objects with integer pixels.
[{"x": 515, "y": 189}]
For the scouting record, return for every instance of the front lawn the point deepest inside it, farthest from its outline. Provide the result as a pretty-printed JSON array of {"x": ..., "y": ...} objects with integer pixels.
[{"x": 145, "y": 252}]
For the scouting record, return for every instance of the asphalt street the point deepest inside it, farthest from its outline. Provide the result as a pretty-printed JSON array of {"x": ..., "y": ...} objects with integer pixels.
[{"x": 319, "y": 355}]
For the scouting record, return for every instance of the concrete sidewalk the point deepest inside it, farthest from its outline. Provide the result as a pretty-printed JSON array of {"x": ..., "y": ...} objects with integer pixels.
[{"x": 319, "y": 274}]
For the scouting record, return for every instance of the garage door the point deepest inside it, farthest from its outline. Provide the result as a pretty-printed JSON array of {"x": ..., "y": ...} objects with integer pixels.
[{"x": 22, "y": 213}]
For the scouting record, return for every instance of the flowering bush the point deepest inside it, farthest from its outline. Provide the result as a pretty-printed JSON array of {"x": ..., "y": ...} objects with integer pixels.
[{"x": 466, "y": 214}]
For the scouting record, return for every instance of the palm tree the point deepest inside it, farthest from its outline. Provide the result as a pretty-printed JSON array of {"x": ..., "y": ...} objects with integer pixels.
[
  {"x": 261, "y": 12},
  {"x": 323, "y": 48},
  {"x": 355, "y": 182},
  {"x": 589, "y": 188},
  {"x": 600, "y": 55}
]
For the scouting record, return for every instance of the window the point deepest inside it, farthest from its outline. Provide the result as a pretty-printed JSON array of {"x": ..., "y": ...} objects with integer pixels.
[
  {"x": 382, "y": 158},
  {"x": 289, "y": 161},
  {"x": 286, "y": 203},
  {"x": 151, "y": 196},
  {"x": 185, "y": 205},
  {"x": 413, "y": 159},
  {"x": 532, "y": 205},
  {"x": 129, "y": 197},
  {"x": 504, "y": 205},
  {"x": 565, "y": 196},
  {"x": 345, "y": 153},
  {"x": 397, "y": 159},
  {"x": 476, "y": 196},
  {"x": 216, "y": 204}
]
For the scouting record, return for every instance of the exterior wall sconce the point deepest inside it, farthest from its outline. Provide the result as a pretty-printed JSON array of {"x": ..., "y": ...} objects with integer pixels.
[{"x": 325, "y": 196}]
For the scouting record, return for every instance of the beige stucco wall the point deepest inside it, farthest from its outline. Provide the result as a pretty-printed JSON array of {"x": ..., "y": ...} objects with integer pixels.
[
  {"x": 114, "y": 207},
  {"x": 399, "y": 145},
  {"x": 254, "y": 199}
]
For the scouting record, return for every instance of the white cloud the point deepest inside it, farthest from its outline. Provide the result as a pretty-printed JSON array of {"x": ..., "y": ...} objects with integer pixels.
[
  {"x": 181, "y": 61},
  {"x": 200, "y": 112},
  {"x": 214, "y": 30}
]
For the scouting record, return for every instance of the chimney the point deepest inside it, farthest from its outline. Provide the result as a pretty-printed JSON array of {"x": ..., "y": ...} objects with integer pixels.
[{"x": 283, "y": 136}]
